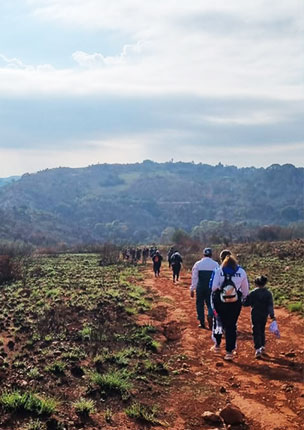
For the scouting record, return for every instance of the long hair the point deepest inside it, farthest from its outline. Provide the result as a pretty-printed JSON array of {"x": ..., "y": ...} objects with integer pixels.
[{"x": 230, "y": 261}]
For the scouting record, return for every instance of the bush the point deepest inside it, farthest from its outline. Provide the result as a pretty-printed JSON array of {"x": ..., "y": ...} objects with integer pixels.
[
  {"x": 84, "y": 407},
  {"x": 295, "y": 307},
  {"x": 27, "y": 402}
]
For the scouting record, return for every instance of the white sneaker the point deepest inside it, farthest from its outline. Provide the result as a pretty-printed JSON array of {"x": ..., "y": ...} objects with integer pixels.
[
  {"x": 258, "y": 353},
  {"x": 229, "y": 356},
  {"x": 263, "y": 350},
  {"x": 216, "y": 349}
]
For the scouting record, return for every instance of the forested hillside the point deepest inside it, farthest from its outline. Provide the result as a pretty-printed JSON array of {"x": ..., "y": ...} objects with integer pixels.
[{"x": 139, "y": 202}]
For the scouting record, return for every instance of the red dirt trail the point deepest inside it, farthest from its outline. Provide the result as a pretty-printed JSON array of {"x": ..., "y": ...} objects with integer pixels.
[{"x": 270, "y": 391}]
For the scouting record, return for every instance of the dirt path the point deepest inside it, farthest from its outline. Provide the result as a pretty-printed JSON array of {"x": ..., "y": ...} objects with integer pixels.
[{"x": 270, "y": 392}]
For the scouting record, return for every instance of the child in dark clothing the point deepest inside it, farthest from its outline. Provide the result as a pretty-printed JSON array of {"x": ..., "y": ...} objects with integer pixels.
[{"x": 261, "y": 302}]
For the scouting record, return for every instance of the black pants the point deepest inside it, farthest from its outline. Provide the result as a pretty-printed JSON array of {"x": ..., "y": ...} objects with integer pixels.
[
  {"x": 175, "y": 270},
  {"x": 258, "y": 330},
  {"x": 156, "y": 268},
  {"x": 228, "y": 313},
  {"x": 202, "y": 297}
]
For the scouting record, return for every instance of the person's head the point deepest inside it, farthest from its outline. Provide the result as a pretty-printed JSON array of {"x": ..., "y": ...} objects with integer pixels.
[
  {"x": 207, "y": 252},
  {"x": 230, "y": 261},
  {"x": 224, "y": 254},
  {"x": 261, "y": 281}
]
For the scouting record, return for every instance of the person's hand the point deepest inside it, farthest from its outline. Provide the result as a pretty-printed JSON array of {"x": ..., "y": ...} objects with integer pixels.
[{"x": 192, "y": 294}]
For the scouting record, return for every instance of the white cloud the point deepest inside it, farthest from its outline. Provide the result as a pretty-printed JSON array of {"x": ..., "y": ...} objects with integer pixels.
[
  {"x": 129, "y": 53},
  {"x": 173, "y": 52}
]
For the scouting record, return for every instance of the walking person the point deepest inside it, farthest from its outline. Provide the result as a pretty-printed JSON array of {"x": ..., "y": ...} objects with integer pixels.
[
  {"x": 201, "y": 274},
  {"x": 157, "y": 261},
  {"x": 169, "y": 255},
  {"x": 176, "y": 264},
  {"x": 261, "y": 301},
  {"x": 229, "y": 285}
]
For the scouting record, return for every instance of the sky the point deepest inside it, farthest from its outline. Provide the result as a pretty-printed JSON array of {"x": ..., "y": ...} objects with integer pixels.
[{"x": 99, "y": 81}]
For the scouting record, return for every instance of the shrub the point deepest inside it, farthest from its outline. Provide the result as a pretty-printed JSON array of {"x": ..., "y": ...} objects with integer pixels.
[
  {"x": 27, "y": 402},
  {"x": 295, "y": 307},
  {"x": 144, "y": 413},
  {"x": 84, "y": 407},
  {"x": 113, "y": 381}
]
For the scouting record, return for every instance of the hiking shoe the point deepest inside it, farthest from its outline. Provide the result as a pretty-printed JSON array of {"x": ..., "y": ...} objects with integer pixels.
[
  {"x": 258, "y": 353},
  {"x": 216, "y": 349},
  {"x": 263, "y": 350},
  {"x": 229, "y": 356}
]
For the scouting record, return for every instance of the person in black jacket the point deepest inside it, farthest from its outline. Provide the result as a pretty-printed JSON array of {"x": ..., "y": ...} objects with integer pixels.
[
  {"x": 157, "y": 261},
  {"x": 261, "y": 302},
  {"x": 176, "y": 264}
]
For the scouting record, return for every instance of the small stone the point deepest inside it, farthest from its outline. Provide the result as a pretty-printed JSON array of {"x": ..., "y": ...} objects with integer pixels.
[
  {"x": 290, "y": 354},
  {"x": 236, "y": 385},
  {"x": 232, "y": 415},
  {"x": 223, "y": 390},
  {"x": 11, "y": 345},
  {"x": 211, "y": 417}
]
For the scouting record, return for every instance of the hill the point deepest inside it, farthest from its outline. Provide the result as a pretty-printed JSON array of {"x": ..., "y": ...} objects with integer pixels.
[{"x": 137, "y": 202}]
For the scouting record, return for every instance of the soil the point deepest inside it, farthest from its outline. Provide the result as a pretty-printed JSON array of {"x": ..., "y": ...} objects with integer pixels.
[{"x": 269, "y": 391}]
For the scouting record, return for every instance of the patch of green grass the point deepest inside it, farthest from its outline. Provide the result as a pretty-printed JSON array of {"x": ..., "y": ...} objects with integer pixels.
[
  {"x": 27, "y": 402},
  {"x": 113, "y": 381},
  {"x": 57, "y": 367},
  {"x": 295, "y": 307},
  {"x": 84, "y": 407},
  {"x": 34, "y": 373},
  {"x": 35, "y": 425},
  {"x": 144, "y": 413}
]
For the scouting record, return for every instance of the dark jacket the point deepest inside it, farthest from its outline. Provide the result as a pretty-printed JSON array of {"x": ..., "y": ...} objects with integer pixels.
[{"x": 261, "y": 302}]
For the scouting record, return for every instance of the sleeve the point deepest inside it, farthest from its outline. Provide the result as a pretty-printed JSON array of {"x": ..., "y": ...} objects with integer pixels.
[
  {"x": 194, "y": 280},
  {"x": 270, "y": 306},
  {"x": 244, "y": 286},
  {"x": 248, "y": 300},
  {"x": 215, "y": 280}
]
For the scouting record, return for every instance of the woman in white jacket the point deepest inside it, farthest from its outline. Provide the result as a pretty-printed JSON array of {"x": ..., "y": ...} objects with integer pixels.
[{"x": 229, "y": 287}]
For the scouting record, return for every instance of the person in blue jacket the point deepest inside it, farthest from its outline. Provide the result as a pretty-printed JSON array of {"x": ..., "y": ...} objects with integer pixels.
[{"x": 227, "y": 307}]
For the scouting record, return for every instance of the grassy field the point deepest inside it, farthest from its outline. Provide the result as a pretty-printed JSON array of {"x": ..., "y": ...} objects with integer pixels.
[{"x": 70, "y": 347}]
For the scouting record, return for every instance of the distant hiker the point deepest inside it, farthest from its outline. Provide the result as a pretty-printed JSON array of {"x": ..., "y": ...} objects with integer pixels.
[
  {"x": 152, "y": 251},
  {"x": 157, "y": 261},
  {"x": 138, "y": 254},
  {"x": 176, "y": 264},
  {"x": 133, "y": 255},
  {"x": 145, "y": 255},
  {"x": 169, "y": 255},
  {"x": 201, "y": 274},
  {"x": 261, "y": 302},
  {"x": 229, "y": 285}
]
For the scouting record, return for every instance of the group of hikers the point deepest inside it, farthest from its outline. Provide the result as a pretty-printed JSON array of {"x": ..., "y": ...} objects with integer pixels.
[
  {"x": 134, "y": 255},
  {"x": 224, "y": 289},
  {"x": 174, "y": 259}
]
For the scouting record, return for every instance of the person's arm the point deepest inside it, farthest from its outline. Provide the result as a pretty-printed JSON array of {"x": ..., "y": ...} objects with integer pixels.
[
  {"x": 248, "y": 300},
  {"x": 270, "y": 306},
  {"x": 194, "y": 279},
  {"x": 215, "y": 283},
  {"x": 244, "y": 286}
]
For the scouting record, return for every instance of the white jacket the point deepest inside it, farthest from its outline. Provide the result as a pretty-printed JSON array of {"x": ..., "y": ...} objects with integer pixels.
[
  {"x": 239, "y": 278},
  {"x": 206, "y": 263}
]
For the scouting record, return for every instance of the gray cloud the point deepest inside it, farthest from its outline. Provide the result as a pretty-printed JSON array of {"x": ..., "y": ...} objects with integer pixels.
[{"x": 242, "y": 122}]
